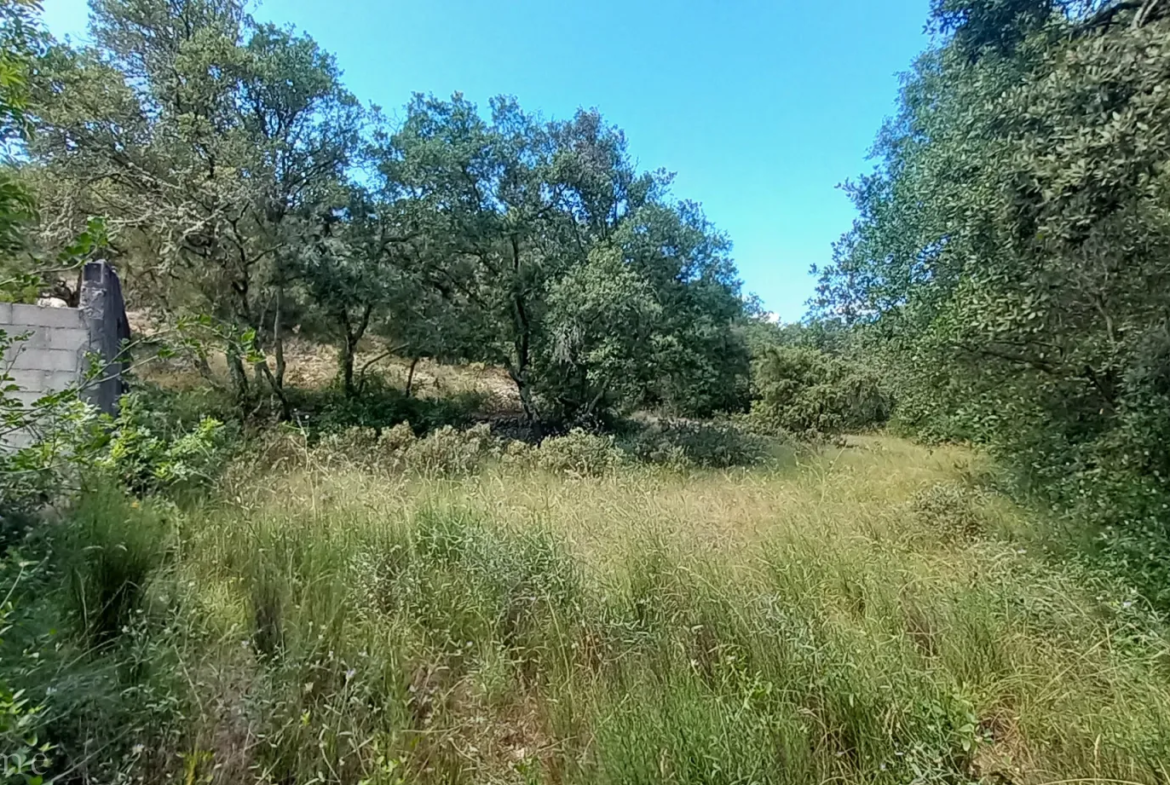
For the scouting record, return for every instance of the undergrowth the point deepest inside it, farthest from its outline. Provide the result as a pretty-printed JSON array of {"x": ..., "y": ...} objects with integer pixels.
[{"x": 859, "y": 616}]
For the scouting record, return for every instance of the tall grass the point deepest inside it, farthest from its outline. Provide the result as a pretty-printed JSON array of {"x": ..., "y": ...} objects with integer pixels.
[{"x": 837, "y": 619}]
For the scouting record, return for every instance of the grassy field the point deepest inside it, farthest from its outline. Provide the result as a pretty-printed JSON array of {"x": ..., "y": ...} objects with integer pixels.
[{"x": 869, "y": 614}]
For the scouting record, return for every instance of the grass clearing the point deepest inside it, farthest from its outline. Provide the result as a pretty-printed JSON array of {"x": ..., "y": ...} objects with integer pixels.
[{"x": 861, "y": 615}]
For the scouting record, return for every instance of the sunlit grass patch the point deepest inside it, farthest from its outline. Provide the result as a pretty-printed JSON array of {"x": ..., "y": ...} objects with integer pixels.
[{"x": 826, "y": 617}]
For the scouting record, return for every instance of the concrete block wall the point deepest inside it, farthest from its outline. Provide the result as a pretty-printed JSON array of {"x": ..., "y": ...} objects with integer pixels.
[{"x": 53, "y": 355}]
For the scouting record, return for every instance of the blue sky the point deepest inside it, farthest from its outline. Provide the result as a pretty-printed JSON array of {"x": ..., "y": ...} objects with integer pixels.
[{"x": 761, "y": 108}]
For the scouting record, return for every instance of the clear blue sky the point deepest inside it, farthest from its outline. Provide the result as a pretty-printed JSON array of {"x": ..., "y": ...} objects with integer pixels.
[{"x": 761, "y": 108}]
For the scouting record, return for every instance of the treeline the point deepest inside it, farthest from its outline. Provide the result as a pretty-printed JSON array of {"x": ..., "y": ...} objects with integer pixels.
[
  {"x": 239, "y": 179},
  {"x": 1010, "y": 266}
]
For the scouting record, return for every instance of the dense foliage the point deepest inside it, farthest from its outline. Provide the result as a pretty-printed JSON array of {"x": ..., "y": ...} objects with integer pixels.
[
  {"x": 1012, "y": 257},
  {"x": 803, "y": 390}
]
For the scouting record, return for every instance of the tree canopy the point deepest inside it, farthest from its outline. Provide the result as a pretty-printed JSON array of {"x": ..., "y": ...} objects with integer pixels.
[{"x": 240, "y": 179}]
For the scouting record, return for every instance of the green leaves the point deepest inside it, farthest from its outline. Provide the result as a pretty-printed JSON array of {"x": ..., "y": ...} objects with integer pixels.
[
  {"x": 561, "y": 261},
  {"x": 1014, "y": 248}
]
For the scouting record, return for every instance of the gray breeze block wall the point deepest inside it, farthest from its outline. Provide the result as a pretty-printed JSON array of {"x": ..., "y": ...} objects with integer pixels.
[
  {"x": 52, "y": 357},
  {"x": 55, "y": 354}
]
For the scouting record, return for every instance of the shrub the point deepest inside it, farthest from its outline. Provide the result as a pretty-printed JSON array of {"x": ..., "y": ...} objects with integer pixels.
[
  {"x": 25, "y": 757},
  {"x": 445, "y": 452},
  {"x": 148, "y": 454},
  {"x": 950, "y": 509},
  {"x": 355, "y": 443},
  {"x": 518, "y": 453},
  {"x": 147, "y": 447},
  {"x": 706, "y": 445},
  {"x": 397, "y": 439},
  {"x": 280, "y": 448},
  {"x": 117, "y": 543},
  {"x": 449, "y": 452},
  {"x": 579, "y": 454},
  {"x": 800, "y": 390},
  {"x": 380, "y": 407}
]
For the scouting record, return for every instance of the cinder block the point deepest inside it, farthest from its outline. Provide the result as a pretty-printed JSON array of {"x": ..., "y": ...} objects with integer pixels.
[
  {"x": 55, "y": 360},
  {"x": 18, "y": 338},
  {"x": 26, "y": 379},
  {"x": 15, "y": 441},
  {"x": 34, "y": 338},
  {"x": 21, "y": 357},
  {"x": 71, "y": 339},
  {"x": 5, "y": 316},
  {"x": 14, "y": 349},
  {"x": 56, "y": 381},
  {"x": 44, "y": 316},
  {"x": 26, "y": 397}
]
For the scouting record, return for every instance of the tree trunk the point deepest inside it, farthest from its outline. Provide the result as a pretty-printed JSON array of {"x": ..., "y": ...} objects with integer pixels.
[
  {"x": 348, "y": 350},
  {"x": 525, "y": 392},
  {"x": 410, "y": 376},
  {"x": 353, "y": 335},
  {"x": 522, "y": 339},
  {"x": 278, "y": 337},
  {"x": 238, "y": 375},
  {"x": 264, "y": 374}
]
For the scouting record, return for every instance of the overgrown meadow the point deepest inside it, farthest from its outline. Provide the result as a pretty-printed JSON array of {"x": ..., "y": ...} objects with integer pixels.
[{"x": 481, "y": 613}]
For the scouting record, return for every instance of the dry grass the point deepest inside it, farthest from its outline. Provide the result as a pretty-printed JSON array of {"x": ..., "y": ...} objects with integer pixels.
[
  {"x": 313, "y": 366},
  {"x": 811, "y": 621}
]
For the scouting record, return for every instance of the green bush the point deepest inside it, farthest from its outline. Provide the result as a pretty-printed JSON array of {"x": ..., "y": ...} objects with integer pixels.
[
  {"x": 579, "y": 454},
  {"x": 150, "y": 452},
  {"x": 448, "y": 452},
  {"x": 380, "y": 407},
  {"x": 802, "y": 390},
  {"x": 519, "y": 454},
  {"x": 690, "y": 444},
  {"x": 153, "y": 444},
  {"x": 950, "y": 509},
  {"x": 117, "y": 544},
  {"x": 24, "y": 755}
]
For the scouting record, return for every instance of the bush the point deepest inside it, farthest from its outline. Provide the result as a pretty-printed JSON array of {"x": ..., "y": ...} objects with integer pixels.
[
  {"x": 950, "y": 509},
  {"x": 445, "y": 452},
  {"x": 579, "y": 454},
  {"x": 705, "y": 445},
  {"x": 26, "y": 757},
  {"x": 357, "y": 444},
  {"x": 449, "y": 452},
  {"x": 117, "y": 543},
  {"x": 800, "y": 390},
  {"x": 148, "y": 447},
  {"x": 148, "y": 453},
  {"x": 521, "y": 454},
  {"x": 380, "y": 407},
  {"x": 396, "y": 440}
]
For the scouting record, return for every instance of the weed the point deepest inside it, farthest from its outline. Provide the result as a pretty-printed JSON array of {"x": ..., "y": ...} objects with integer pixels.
[
  {"x": 115, "y": 545},
  {"x": 579, "y": 454},
  {"x": 448, "y": 452},
  {"x": 949, "y": 508}
]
